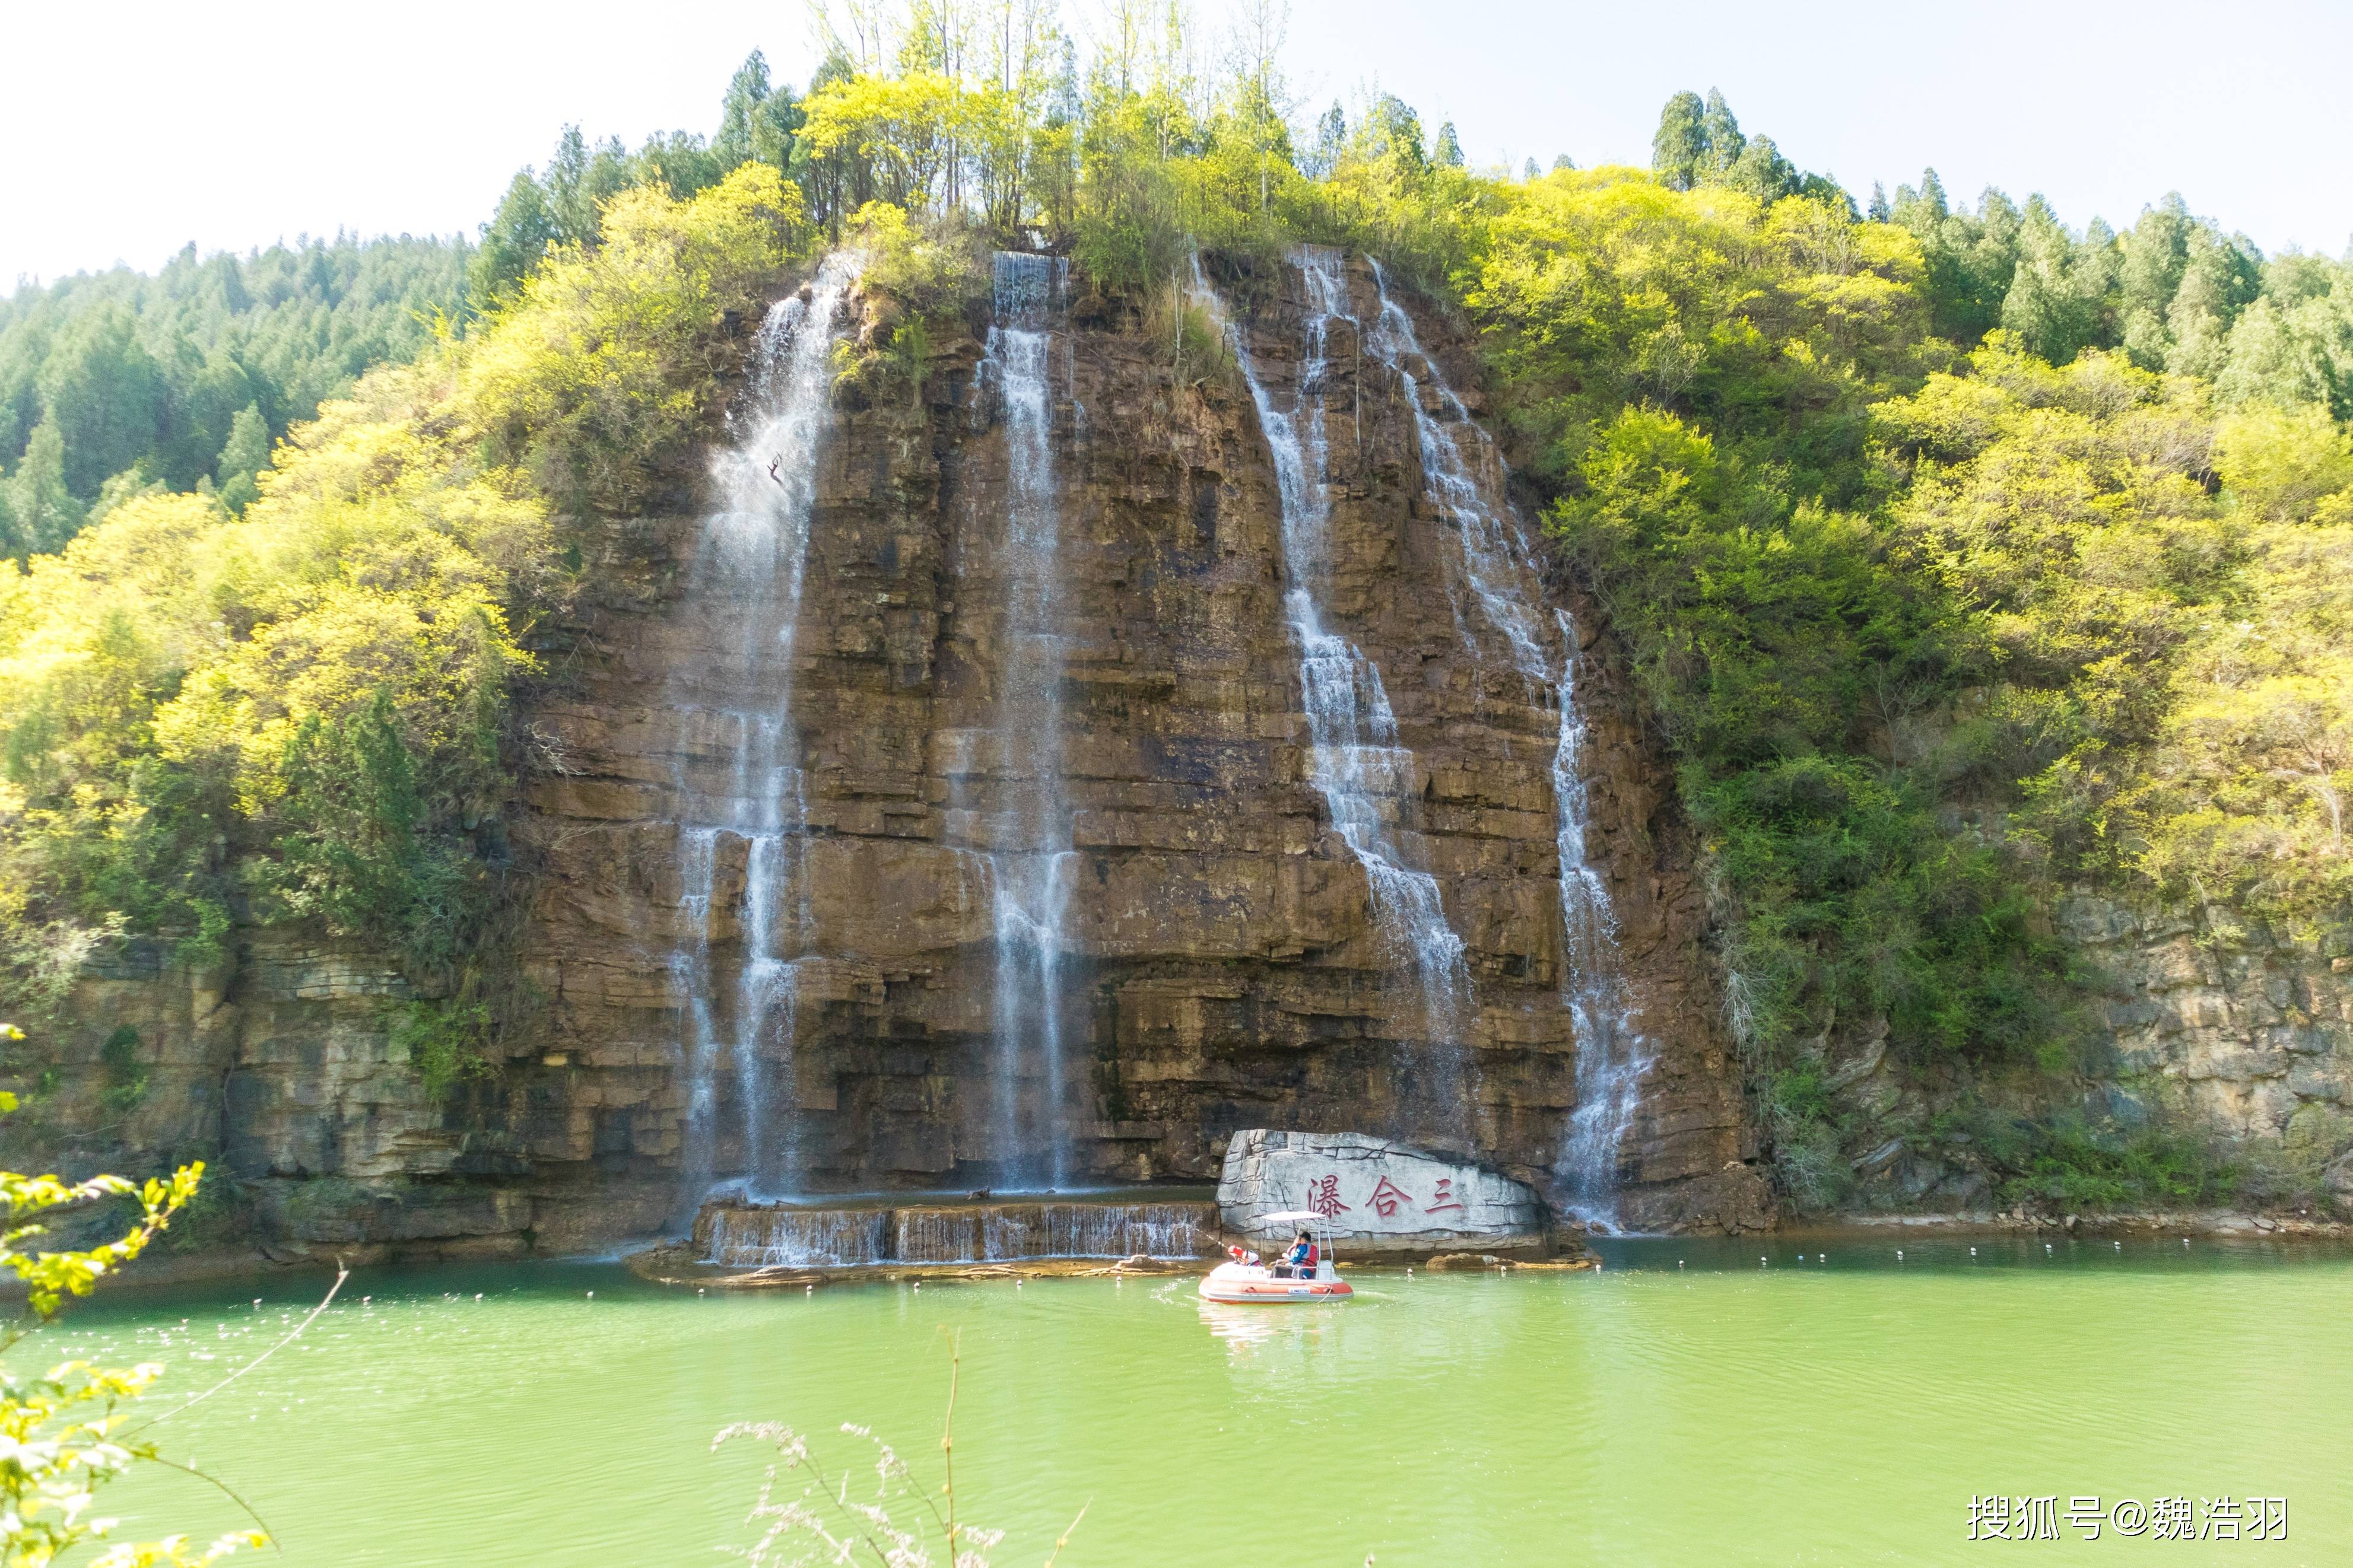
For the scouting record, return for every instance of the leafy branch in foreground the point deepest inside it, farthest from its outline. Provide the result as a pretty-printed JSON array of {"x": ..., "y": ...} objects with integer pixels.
[{"x": 59, "y": 1430}]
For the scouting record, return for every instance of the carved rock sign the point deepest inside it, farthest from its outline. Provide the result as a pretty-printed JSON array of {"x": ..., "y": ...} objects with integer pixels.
[{"x": 1377, "y": 1195}]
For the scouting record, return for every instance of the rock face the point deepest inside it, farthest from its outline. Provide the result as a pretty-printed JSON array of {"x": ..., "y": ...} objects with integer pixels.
[
  {"x": 1220, "y": 967},
  {"x": 2249, "y": 1033},
  {"x": 1378, "y": 1195},
  {"x": 2208, "y": 1027}
]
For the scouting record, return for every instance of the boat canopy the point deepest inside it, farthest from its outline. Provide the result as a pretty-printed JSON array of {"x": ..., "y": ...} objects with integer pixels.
[{"x": 1295, "y": 1216}]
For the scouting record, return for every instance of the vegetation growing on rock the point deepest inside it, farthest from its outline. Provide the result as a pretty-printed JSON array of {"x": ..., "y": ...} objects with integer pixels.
[{"x": 1961, "y": 558}]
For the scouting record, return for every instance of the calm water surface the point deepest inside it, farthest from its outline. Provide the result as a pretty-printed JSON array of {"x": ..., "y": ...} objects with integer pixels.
[{"x": 1713, "y": 1414}]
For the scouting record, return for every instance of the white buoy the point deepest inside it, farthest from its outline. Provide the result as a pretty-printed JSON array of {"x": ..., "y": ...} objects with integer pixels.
[
  {"x": 592, "y": 1295},
  {"x": 2046, "y": 1247},
  {"x": 1973, "y": 1252},
  {"x": 1679, "y": 1263},
  {"x": 1899, "y": 1255},
  {"x": 2185, "y": 1241}
]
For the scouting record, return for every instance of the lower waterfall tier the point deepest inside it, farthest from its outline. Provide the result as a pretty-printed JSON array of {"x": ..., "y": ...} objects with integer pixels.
[{"x": 736, "y": 1236}]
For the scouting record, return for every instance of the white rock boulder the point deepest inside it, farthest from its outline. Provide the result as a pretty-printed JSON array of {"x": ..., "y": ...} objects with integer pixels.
[{"x": 1378, "y": 1195}]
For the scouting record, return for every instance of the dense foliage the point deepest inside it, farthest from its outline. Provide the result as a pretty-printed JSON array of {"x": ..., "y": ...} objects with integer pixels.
[
  {"x": 1961, "y": 558},
  {"x": 117, "y": 383},
  {"x": 301, "y": 712}
]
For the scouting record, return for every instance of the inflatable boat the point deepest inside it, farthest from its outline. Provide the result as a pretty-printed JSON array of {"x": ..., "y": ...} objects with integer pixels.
[{"x": 1243, "y": 1281}]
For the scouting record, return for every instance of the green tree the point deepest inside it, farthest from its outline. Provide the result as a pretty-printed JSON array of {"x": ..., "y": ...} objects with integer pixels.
[
  {"x": 2156, "y": 250},
  {"x": 1721, "y": 142},
  {"x": 2221, "y": 276},
  {"x": 515, "y": 239},
  {"x": 1448, "y": 154},
  {"x": 2057, "y": 288},
  {"x": 1678, "y": 148},
  {"x": 104, "y": 395},
  {"x": 1323, "y": 154},
  {"x": 739, "y": 110},
  {"x": 1762, "y": 172},
  {"x": 42, "y": 511},
  {"x": 352, "y": 845},
  {"x": 1392, "y": 134},
  {"x": 757, "y": 119},
  {"x": 244, "y": 456}
]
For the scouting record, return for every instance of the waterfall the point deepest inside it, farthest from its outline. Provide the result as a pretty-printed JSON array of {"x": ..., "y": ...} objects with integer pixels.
[
  {"x": 794, "y": 1238},
  {"x": 746, "y": 588},
  {"x": 737, "y": 1237},
  {"x": 1503, "y": 583},
  {"x": 1355, "y": 760},
  {"x": 1030, "y": 854}
]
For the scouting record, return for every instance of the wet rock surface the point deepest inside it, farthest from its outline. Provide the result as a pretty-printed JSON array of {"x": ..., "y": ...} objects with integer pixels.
[{"x": 1222, "y": 972}]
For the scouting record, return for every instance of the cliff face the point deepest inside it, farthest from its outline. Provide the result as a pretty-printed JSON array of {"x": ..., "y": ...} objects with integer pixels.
[
  {"x": 2204, "y": 1025},
  {"x": 1220, "y": 964}
]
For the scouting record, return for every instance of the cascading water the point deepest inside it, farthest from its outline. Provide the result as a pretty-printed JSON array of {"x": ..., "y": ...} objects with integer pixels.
[
  {"x": 1466, "y": 478},
  {"x": 794, "y": 1238},
  {"x": 746, "y": 586},
  {"x": 1364, "y": 775},
  {"x": 747, "y": 1237},
  {"x": 1029, "y": 854}
]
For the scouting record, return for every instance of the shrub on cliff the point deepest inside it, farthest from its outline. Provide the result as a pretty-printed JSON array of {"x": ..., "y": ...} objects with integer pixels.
[
  {"x": 174, "y": 685},
  {"x": 612, "y": 358}
]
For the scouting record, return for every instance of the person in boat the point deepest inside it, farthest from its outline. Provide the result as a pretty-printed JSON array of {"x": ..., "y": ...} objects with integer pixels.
[{"x": 1300, "y": 1262}]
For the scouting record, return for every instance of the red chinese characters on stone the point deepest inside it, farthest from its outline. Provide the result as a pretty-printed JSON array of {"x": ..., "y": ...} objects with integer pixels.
[
  {"x": 1445, "y": 1198},
  {"x": 1385, "y": 1198},
  {"x": 1323, "y": 1197}
]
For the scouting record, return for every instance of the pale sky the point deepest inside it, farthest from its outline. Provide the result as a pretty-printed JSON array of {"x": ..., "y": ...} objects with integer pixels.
[{"x": 134, "y": 128}]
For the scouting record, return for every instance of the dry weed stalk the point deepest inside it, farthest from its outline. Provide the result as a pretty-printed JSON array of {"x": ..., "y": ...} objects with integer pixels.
[{"x": 824, "y": 1524}]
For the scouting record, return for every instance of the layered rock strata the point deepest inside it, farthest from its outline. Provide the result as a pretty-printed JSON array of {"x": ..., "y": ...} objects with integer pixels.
[{"x": 1219, "y": 971}]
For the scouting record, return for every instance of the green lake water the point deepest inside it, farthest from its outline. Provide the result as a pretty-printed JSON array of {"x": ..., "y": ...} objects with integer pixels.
[{"x": 1713, "y": 1414}]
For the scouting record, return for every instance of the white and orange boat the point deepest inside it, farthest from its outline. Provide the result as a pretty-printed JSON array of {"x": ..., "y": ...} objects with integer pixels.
[{"x": 1245, "y": 1281}]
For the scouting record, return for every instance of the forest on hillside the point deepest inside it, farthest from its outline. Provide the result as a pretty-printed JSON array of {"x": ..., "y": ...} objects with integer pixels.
[
  {"x": 117, "y": 383},
  {"x": 1963, "y": 557}
]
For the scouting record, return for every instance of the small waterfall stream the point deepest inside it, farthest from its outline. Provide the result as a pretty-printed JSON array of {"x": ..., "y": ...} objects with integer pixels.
[
  {"x": 1466, "y": 476},
  {"x": 746, "y": 585},
  {"x": 1029, "y": 854},
  {"x": 1364, "y": 775}
]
